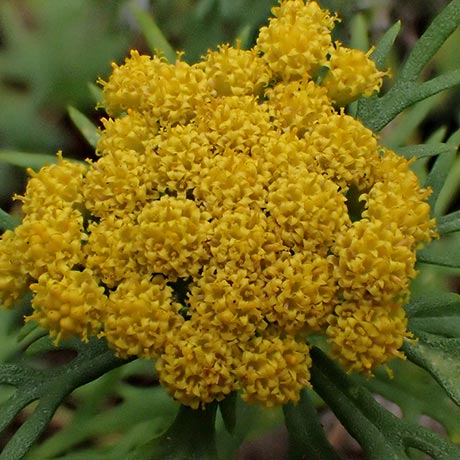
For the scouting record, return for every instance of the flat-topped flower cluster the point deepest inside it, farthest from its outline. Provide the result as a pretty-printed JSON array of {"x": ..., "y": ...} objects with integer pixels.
[{"x": 235, "y": 210}]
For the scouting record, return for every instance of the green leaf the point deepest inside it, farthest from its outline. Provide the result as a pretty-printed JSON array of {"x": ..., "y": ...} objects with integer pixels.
[
  {"x": 431, "y": 41},
  {"x": 378, "y": 112},
  {"x": 439, "y": 356},
  {"x": 49, "y": 387},
  {"x": 27, "y": 159},
  {"x": 438, "y": 174},
  {"x": 84, "y": 125},
  {"x": 153, "y": 35},
  {"x": 306, "y": 435},
  {"x": 96, "y": 93},
  {"x": 382, "y": 435},
  {"x": 435, "y": 313},
  {"x": 424, "y": 150},
  {"x": 35, "y": 161},
  {"x": 190, "y": 437},
  {"x": 7, "y": 221},
  {"x": 416, "y": 394},
  {"x": 359, "y": 28},
  {"x": 141, "y": 412},
  {"x": 227, "y": 409},
  {"x": 383, "y": 49},
  {"x": 445, "y": 253},
  {"x": 449, "y": 223}
]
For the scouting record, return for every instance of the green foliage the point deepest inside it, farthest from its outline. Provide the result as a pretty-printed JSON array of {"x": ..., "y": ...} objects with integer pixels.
[
  {"x": 49, "y": 387},
  {"x": 50, "y": 51}
]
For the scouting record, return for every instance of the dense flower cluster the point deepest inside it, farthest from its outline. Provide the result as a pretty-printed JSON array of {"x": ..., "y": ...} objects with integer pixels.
[{"x": 235, "y": 210}]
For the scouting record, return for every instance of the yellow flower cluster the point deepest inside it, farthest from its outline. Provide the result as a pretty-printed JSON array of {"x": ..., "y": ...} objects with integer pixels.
[{"x": 234, "y": 210}]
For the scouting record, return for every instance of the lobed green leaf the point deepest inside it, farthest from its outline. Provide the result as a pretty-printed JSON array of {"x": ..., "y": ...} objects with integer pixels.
[
  {"x": 424, "y": 150},
  {"x": 449, "y": 223},
  {"x": 378, "y": 112},
  {"x": 439, "y": 356},
  {"x": 382, "y": 435},
  {"x": 306, "y": 435},
  {"x": 49, "y": 387},
  {"x": 190, "y": 437}
]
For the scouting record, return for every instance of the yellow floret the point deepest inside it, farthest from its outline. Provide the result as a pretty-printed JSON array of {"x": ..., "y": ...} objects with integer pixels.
[
  {"x": 235, "y": 72},
  {"x": 13, "y": 274},
  {"x": 167, "y": 92},
  {"x": 364, "y": 335},
  {"x": 351, "y": 74},
  {"x": 273, "y": 370},
  {"x": 171, "y": 237},
  {"x": 297, "y": 41},
  {"x": 196, "y": 367},
  {"x": 68, "y": 305},
  {"x": 140, "y": 316}
]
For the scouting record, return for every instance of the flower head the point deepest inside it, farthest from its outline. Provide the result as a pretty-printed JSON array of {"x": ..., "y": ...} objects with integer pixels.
[{"x": 233, "y": 212}]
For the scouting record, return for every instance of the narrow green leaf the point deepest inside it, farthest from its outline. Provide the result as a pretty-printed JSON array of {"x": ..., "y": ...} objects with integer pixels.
[
  {"x": 50, "y": 387},
  {"x": 440, "y": 253},
  {"x": 435, "y": 313},
  {"x": 153, "y": 35},
  {"x": 306, "y": 435},
  {"x": 438, "y": 174},
  {"x": 227, "y": 409},
  {"x": 190, "y": 437},
  {"x": 7, "y": 221},
  {"x": 431, "y": 41},
  {"x": 359, "y": 28},
  {"x": 424, "y": 150},
  {"x": 449, "y": 223},
  {"x": 27, "y": 159},
  {"x": 380, "y": 111},
  {"x": 84, "y": 125},
  {"x": 382, "y": 435},
  {"x": 431, "y": 87},
  {"x": 417, "y": 394},
  {"x": 35, "y": 161},
  {"x": 382, "y": 50},
  {"x": 449, "y": 193},
  {"x": 96, "y": 93},
  {"x": 439, "y": 356}
]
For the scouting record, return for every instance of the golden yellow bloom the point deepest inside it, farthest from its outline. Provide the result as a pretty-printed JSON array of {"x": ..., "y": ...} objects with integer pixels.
[
  {"x": 373, "y": 260},
  {"x": 140, "y": 316},
  {"x": 297, "y": 41},
  {"x": 273, "y": 370},
  {"x": 235, "y": 72},
  {"x": 68, "y": 305},
  {"x": 351, "y": 73},
  {"x": 233, "y": 213},
  {"x": 345, "y": 150},
  {"x": 364, "y": 335},
  {"x": 196, "y": 367},
  {"x": 299, "y": 104},
  {"x": 170, "y": 238},
  {"x": 13, "y": 274},
  {"x": 308, "y": 211},
  {"x": 54, "y": 186},
  {"x": 168, "y": 92}
]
